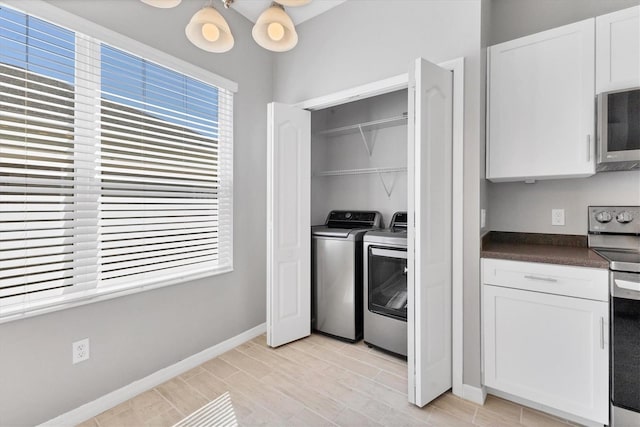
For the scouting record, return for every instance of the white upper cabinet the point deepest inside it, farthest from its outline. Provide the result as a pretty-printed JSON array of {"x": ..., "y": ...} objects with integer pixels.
[
  {"x": 540, "y": 113},
  {"x": 618, "y": 50}
]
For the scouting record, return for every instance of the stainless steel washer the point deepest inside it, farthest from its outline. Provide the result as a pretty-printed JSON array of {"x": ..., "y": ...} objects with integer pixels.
[
  {"x": 337, "y": 272},
  {"x": 385, "y": 287}
]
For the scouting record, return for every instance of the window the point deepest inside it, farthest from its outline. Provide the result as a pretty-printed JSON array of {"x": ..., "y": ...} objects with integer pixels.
[{"x": 115, "y": 172}]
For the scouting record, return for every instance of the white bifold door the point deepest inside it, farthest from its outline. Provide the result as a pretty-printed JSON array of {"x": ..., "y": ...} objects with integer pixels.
[
  {"x": 429, "y": 231},
  {"x": 429, "y": 242},
  {"x": 288, "y": 224}
]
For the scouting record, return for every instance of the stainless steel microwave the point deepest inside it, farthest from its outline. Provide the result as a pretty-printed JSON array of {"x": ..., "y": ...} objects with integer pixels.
[{"x": 619, "y": 130}]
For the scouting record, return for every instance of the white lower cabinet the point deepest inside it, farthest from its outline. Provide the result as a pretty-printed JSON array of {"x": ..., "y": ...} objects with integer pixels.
[{"x": 549, "y": 349}]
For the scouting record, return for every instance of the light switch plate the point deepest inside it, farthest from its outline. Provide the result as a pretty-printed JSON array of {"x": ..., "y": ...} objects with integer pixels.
[
  {"x": 557, "y": 216},
  {"x": 483, "y": 218}
]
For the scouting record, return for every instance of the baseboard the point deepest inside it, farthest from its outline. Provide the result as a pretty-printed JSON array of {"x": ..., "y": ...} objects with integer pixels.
[
  {"x": 474, "y": 394},
  {"x": 101, "y": 404},
  {"x": 544, "y": 408}
]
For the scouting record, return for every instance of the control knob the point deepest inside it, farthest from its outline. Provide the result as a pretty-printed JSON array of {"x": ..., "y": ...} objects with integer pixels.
[
  {"x": 624, "y": 217},
  {"x": 348, "y": 215},
  {"x": 603, "y": 217}
]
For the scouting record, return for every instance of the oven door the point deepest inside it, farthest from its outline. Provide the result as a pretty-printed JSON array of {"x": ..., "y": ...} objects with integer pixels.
[
  {"x": 619, "y": 127},
  {"x": 625, "y": 347},
  {"x": 387, "y": 281}
]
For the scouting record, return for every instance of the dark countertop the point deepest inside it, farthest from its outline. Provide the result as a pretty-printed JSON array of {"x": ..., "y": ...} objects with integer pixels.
[{"x": 546, "y": 248}]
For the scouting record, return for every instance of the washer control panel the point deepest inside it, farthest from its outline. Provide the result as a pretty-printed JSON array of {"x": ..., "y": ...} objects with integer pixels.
[{"x": 614, "y": 219}]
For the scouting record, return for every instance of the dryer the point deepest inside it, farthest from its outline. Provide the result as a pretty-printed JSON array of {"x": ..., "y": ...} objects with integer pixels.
[{"x": 385, "y": 287}]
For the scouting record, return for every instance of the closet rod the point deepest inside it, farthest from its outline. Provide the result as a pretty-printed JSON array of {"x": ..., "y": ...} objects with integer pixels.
[
  {"x": 372, "y": 125},
  {"x": 360, "y": 171}
]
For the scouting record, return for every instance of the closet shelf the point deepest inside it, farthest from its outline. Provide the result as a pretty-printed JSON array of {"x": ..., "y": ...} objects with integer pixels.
[
  {"x": 361, "y": 171},
  {"x": 366, "y": 126}
]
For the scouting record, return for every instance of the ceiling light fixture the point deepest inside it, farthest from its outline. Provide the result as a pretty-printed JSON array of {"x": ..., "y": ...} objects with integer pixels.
[
  {"x": 162, "y": 4},
  {"x": 209, "y": 31},
  {"x": 293, "y": 3},
  {"x": 274, "y": 30}
]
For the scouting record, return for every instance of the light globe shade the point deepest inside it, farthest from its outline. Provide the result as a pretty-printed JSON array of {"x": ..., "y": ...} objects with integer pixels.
[
  {"x": 162, "y": 4},
  {"x": 274, "y": 30},
  {"x": 293, "y": 3},
  {"x": 209, "y": 31}
]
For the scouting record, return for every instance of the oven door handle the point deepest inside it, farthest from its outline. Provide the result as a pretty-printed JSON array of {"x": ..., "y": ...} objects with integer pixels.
[
  {"x": 628, "y": 285},
  {"x": 402, "y": 254}
]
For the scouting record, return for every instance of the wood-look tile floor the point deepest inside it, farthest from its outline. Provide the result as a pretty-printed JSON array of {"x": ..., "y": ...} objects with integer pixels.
[{"x": 315, "y": 381}]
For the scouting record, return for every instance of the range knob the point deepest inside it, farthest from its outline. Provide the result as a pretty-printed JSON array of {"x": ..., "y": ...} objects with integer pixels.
[
  {"x": 348, "y": 215},
  {"x": 603, "y": 217},
  {"x": 624, "y": 217}
]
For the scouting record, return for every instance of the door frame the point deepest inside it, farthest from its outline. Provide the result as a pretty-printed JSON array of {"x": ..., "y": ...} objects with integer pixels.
[{"x": 400, "y": 82}]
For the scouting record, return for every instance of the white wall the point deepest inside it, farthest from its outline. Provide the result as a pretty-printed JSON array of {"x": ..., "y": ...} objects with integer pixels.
[
  {"x": 389, "y": 149},
  {"x": 134, "y": 336},
  {"x": 527, "y": 207},
  {"x": 366, "y": 40}
]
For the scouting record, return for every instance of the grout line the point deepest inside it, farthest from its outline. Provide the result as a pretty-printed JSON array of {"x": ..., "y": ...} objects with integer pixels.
[
  {"x": 235, "y": 390},
  {"x": 356, "y": 373},
  {"x": 168, "y": 401},
  {"x": 197, "y": 392},
  {"x": 361, "y": 392},
  {"x": 324, "y": 393},
  {"x": 117, "y": 413},
  {"x": 277, "y": 390},
  {"x": 212, "y": 373},
  {"x": 249, "y": 398}
]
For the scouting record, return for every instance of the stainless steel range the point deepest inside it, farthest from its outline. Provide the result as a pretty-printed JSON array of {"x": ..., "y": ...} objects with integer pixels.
[{"x": 614, "y": 233}]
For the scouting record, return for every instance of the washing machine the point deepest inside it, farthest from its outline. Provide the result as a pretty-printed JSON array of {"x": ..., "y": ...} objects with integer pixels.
[
  {"x": 336, "y": 272},
  {"x": 385, "y": 287}
]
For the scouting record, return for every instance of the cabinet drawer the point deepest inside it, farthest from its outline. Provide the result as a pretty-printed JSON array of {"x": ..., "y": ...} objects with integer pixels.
[{"x": 580, "y": 282}]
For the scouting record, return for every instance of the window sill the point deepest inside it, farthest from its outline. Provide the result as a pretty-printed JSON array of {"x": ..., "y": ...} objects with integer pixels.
[{"x": 77, "y": 299}]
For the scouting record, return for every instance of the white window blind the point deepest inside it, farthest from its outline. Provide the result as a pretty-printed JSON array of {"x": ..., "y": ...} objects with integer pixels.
[{"x": 115, "y": 172}]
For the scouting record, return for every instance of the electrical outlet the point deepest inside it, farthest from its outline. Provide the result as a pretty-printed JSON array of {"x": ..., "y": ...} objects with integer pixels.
[
  {"x": 80, "y": 351},
  {"x": 557, "y": 216},
  {"x": 483, "y": 218}
]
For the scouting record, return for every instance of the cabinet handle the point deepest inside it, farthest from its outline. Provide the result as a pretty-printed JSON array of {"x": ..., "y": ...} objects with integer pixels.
[
  {"x": 588, "y": 147},
  {"x": 602, "y": 333},
  {"x": 544, "y": 279}
]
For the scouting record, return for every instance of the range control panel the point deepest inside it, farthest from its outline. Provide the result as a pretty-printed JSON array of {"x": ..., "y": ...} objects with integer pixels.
[{"x": 614, "y": 220}]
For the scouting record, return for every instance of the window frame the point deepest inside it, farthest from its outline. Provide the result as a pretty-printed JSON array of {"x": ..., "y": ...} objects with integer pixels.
[{"x": 59, "y": 17}]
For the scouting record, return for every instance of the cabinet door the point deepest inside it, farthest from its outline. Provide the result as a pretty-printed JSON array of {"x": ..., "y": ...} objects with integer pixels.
[
  {"x": 618, "y": 50},
  {"x": 541, "y": 105},
  {"x": 549, "y": 349}
]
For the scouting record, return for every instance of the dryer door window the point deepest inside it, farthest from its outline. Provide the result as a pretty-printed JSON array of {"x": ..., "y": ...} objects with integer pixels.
[{"x": 387, "y": 285}]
